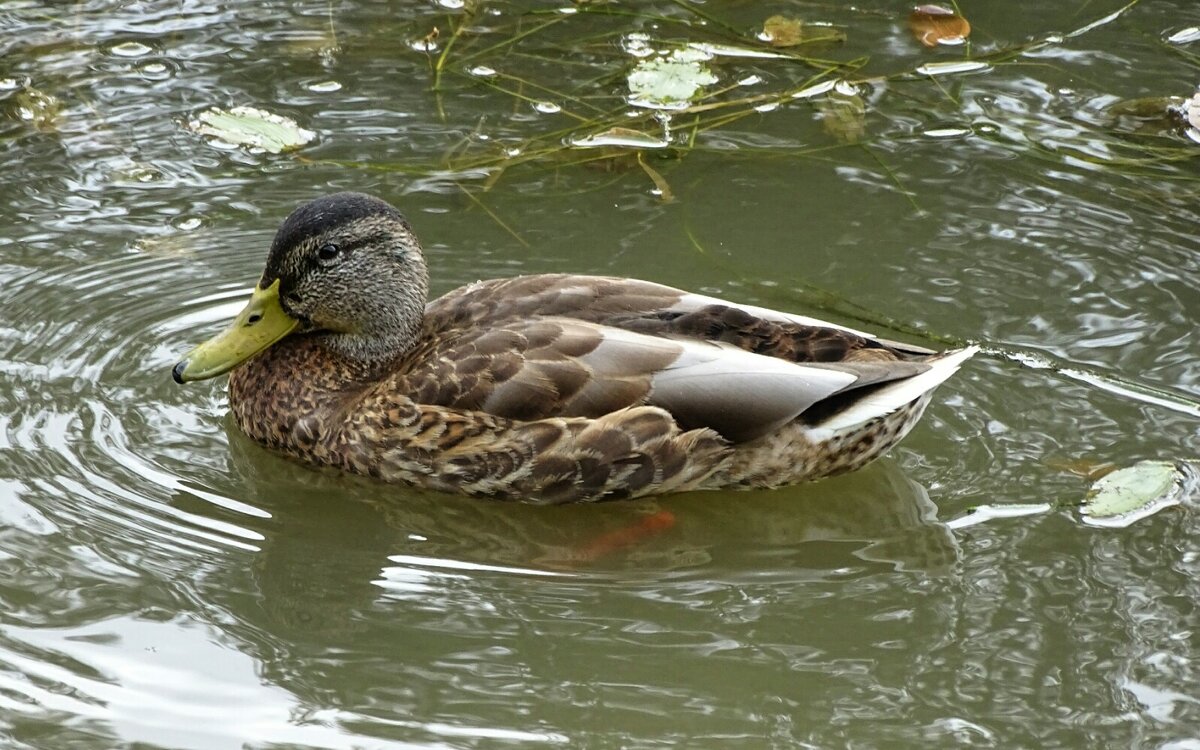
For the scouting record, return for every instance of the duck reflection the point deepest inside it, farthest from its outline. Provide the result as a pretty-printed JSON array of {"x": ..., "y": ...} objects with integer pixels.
[
  {"x": 436, "y": 608},
  {"x": 344, "y": 543}
]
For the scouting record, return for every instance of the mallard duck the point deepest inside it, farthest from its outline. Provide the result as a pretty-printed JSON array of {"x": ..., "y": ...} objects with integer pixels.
[{"x": 545, "y": 388}]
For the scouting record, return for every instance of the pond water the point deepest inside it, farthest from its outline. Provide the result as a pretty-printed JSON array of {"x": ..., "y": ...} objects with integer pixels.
[{"x": 167, "y": 584}]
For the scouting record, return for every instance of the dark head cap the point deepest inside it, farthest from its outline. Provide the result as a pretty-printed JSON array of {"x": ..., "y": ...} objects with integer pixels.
[{"x": 321, "y": 216}]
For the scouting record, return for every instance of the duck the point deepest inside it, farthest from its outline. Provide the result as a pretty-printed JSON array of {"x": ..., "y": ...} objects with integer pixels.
[{"x": 546, "y": 388}]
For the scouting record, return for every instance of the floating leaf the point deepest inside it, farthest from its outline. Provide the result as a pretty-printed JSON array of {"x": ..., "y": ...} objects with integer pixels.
[
  {"x": 815, "y": 90},
  {"x": 668, "y": 82},
  {"x": 660, "y": 183},
  {"x": 37, "y": 108},
  {"x": 248, "y": 126},
  {"x": 1184, "y": 36},
  {"x": 726, "y": 50},
  {"x": 620, "y": 137},
  {"x": 982, "y": 513},
  {"x": 1135, "y": 492},
  {"x": 781, "y": 31},
  {"x": 843, "y": 115},
  {"x": 1160, "y": 115},
  {"x": 1088, "y": 468},
  {"x": 1147, "y": 107},
  {"x": 946, "y": 132},
  {"x": 168, "y": 246},
  {"x": 1191, "y": 110},
  {"x": 950, "y": 68},
  {"x": 933, "y": 25}
]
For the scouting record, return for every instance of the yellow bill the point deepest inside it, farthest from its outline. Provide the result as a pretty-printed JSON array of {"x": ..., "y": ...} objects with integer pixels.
[{"x": 261, "y": 323}]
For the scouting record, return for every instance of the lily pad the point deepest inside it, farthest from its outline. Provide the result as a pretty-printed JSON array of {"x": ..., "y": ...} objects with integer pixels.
[
  {"x": 934, "y": 24},
  {"x": 252, "y": 127},
  {"x": 1134, "y": 492},
  {"x": 668, "y": 82}
]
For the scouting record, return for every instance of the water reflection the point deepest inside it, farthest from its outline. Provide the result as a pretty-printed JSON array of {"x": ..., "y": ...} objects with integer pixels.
[{"x": 495, "y": 603}]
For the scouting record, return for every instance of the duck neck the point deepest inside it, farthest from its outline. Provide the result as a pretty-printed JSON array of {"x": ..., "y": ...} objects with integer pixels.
[
  {"x": 370, "y": 349},
  {"x": 390, "y": 325}
]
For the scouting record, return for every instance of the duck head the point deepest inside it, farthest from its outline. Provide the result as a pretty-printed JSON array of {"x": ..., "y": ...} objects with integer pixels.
[{"x": 345, "y": 267}]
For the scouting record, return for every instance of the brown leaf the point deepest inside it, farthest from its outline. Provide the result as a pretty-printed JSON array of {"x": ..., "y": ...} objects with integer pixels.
[
  {"x": 781, "y": 31},
  {"x": 934, "y": 24}
]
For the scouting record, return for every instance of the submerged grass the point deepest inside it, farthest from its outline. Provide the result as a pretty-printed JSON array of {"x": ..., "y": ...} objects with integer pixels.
[{"x": 526, "y": 52}]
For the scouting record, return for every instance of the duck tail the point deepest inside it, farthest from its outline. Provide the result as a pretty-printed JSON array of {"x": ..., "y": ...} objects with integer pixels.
[{"x": 891, "y": 396}]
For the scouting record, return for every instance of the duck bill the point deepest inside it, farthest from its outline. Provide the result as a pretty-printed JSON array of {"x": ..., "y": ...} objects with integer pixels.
[{"x": 261, "y": 323}]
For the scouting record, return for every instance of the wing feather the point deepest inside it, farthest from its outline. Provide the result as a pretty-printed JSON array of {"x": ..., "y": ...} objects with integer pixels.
[{"x": 533, "y": 347}]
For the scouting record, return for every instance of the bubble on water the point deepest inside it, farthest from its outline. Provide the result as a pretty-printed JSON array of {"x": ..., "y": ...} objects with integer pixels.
[
  {"x": 324, "y": 87},
  {"x": 547, "y": 108},
  {"x": 946, "y": 132},
  {"x": 451, "y": 4},
  {"x": 482, "y": 71},
  {"x": 423, "y": 45},
  {"x": 154, "y": 68},
  {"x": 130, "y": 49},
  {"x": 187, "y": 223},
  {"x": 637, "y": 45},
  {"x": 750, "y": 80},
  {"x": 143, "y": 174},
  {"x": 768, "y": 107}
]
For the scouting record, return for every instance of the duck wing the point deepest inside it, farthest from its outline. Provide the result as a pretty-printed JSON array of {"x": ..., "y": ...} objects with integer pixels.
[
  {"x": 658, "y": 310},
  {"x": 551, "y": 366}
]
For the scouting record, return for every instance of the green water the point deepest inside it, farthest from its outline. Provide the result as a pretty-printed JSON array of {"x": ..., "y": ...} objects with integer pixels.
[{"x": 164, "y": 583}]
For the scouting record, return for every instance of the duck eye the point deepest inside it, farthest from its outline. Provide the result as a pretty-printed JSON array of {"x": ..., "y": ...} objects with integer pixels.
[{"x": 328, "y": 251}]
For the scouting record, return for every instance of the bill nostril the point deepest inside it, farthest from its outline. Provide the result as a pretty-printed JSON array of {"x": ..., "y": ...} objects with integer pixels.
[{"x": 253, "y": 319}]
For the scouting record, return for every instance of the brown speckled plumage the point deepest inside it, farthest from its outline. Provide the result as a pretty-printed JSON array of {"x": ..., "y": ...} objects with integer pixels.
[{"x": 561, "y": 388}]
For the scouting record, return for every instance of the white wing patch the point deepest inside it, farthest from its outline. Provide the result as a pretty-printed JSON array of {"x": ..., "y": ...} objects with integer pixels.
[{"x": 740, "y": 394}]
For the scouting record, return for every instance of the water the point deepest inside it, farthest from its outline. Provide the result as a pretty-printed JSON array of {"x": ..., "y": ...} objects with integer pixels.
[{"x": 168, "y": 584}]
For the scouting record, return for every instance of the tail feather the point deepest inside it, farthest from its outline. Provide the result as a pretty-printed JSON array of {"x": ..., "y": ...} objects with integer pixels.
[{"x": 892, "y": 396}]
